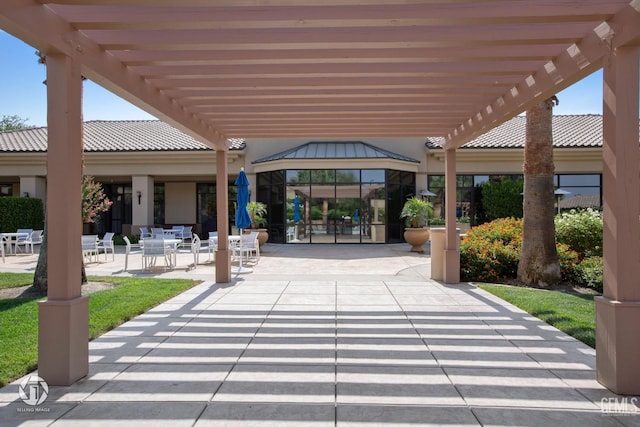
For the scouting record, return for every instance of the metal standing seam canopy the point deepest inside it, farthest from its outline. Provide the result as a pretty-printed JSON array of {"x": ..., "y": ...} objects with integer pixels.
[{"x": 329, "y": 68}]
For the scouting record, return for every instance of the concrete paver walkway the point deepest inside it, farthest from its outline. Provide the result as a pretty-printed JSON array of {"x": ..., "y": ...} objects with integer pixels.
[{"x": 330, "y": 335}]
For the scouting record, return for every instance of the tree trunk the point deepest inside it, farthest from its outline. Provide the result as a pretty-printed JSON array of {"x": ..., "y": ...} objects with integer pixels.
[
  {"x": 538, "y": 264},
  {"x": 40, "y": 277}
]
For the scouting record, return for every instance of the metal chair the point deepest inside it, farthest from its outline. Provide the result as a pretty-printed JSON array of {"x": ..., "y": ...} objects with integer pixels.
[
  {"x": 151, "y": 250},
  {"x": 106, "y": 244},
  {"x": 24, "y": 240},
  {"x": 132, "y": 248},
  {"x": 90, "y": 247}
]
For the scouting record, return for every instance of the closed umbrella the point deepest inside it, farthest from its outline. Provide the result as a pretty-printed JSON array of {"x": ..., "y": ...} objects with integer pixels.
[
  {"x": 356, "y": 216},
  {"x": 243, "y": 220},
  {"x": 296, "y": 209}
]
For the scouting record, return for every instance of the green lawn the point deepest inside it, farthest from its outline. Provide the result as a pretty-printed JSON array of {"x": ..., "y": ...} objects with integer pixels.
[
  {"x": 573, "y": 314},
  {"x": 107, "y": 309}
]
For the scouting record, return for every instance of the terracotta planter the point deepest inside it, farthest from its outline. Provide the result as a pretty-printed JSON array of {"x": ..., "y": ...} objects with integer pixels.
[
  {"x": 416, "y": 237},
  {"x": 263, "y": 236}
]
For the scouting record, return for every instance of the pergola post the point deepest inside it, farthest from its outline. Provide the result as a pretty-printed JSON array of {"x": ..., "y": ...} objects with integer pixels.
[
  {"x": 618, "y": 310},
  {"x": 63, "y": 337},
  {"x": 451, "y": 258},
  {"x": 223, "y": 256}
]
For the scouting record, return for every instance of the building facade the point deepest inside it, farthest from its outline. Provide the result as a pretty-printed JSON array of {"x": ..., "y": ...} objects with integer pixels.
[{"x": 325, "y": 191}]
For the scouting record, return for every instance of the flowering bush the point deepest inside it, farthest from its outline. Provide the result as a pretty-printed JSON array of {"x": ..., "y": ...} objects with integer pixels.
[
  {"x": 491, "y": 251},
  {"x": 94, "y": 200},
  {"x": 581, "y": 230}
]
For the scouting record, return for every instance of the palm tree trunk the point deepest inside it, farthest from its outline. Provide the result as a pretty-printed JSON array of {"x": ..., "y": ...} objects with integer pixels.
[
  {"x": 538, "y": 264},
  {"x": 40, "y": 279}
]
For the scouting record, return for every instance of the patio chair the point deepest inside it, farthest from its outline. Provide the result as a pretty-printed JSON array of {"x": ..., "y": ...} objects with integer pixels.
[
  {"x": 186, "y": 233},
  {"x": 24, "y": 240},
  {"x": 157, "y": 233},
  {"x": 36, "y": 237},
  {"x": 132, "y": 248},
  {"x": 144, "y": 233},
  {"x": 177, "y": 231},
  {"x": 151, "y": 250},
  {"x": 248, "y": 245},
  {"x": 90, "y": 247},
  {"x": 2, "y": 246},
  {"x": 212, "y": 245},
  {"x": 106, "y": 244},
  {"x": 195, "y": 249},
  {"x": 290, "y": 233}
]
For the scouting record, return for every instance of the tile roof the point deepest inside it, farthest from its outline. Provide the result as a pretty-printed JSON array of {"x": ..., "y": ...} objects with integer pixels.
[
  {"x": 335, "y": 150},
  {"x": 110, "y": 136},
  {"x": 569, "y": 131}
]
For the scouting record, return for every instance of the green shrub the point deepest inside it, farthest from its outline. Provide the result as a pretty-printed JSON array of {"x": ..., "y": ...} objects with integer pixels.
[
  {"x": 591, "y": 270},
  {"x": 21, "y": 212},
  {"x": 502, "y": 199},
  {"x": 581, "y": 230},
  {"x": 490, "y": 253},
  {"x": 119, "y": 240}
]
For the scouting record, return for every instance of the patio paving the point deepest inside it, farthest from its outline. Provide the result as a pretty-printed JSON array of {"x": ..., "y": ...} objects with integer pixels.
[{"x": 328, "y": 335}]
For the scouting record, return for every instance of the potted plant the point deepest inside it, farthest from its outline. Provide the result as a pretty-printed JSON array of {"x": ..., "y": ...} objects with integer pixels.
[
  {"x": 416, "y": 213},
  {"x": 257, "y": 212}
]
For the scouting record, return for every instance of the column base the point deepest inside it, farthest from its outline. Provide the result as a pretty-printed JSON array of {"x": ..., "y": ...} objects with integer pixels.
[
  {"x": 63, "y": 340},
  {"x": 451, "y": 266},
  {"x": 617, "y": 345},
  {"x": 223, "y": 266}
]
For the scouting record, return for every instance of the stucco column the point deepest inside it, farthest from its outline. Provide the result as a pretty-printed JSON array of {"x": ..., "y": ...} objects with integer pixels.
[
  {"x": 451, "y": 258},
  {"x": 142, "y": 202},
  {"x": 63, "y": 338},
  {"x": 223, "y": 256},
  {"x": 618, "y": 310}
]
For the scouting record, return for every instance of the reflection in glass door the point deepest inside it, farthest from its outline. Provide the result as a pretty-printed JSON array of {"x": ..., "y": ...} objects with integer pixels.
[{"x": 347, "y": 213}]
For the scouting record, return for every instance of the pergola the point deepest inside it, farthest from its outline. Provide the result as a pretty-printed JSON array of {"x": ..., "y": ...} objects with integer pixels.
[{"x": 335, "y": 69}]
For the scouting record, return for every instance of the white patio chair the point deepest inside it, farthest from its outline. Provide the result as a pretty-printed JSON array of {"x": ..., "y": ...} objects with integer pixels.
[
  {"x": 144, "y": 233},
  {"x": 290, "y": 233},
  {"x": 132, "y": 248},
  {"x": 186, "y": 233},
  {"x": 90, "y": 247},
  {"x": 23, "y": 240},
  {"x": 2, "y": 246},
  {"x": 195, "y": 249},
  {"x": 157, "y": 233},
  {"x": 212, "y": 245},
  {"x": 248, "y": 245},
  {"x": 106, "y": 245},
  {"x": 36, "y": 237},
  {"x": 151, "y": 250},
  {"x": 177, "y": 231}
]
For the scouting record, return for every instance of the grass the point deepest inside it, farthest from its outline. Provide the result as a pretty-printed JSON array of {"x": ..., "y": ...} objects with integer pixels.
[
  {"x": 107, "y": 309},
  {"x": 14, "y": 280},
  {"x": 573, "y": 314}
]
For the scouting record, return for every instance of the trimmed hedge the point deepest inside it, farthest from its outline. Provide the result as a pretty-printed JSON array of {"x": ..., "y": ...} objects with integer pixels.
[{"x": 21, "y": 212}]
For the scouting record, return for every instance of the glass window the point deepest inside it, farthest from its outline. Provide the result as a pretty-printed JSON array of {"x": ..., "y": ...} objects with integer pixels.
[
  {"x": 323, "y": 176},
  {"x": 6, "y": 190},
  {"x": 348, "y": 175},
  {"x": 479, "y": 179},
  {"x": 579, "y": 180},
  {"x": 298, "y": 176},
  {"x": 435, "y": 181},
  {"x": 372, "y": 175},
  {"x": 158, "y": 204}
]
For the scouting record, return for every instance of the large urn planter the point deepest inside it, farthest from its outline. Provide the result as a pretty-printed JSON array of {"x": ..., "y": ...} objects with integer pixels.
[
  {"x": 416, "y": 237},
  {"x": 263, "y": 236}
]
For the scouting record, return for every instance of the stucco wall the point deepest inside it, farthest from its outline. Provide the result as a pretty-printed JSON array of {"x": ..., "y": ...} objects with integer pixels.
[{"x": 180, "y": 202}]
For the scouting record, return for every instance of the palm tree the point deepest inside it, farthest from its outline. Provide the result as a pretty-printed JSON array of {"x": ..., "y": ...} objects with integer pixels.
[{"x": 538, "y": 264}]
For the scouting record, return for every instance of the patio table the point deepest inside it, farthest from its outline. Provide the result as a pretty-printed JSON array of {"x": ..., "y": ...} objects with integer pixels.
[{"x": 10, "y": 239}]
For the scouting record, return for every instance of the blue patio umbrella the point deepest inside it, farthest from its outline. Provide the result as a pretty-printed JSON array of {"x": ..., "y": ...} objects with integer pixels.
[
  {"x": 296, "y": 209},
  {"x": 356, "y": 216},
  {"x": 243, "y": 220}
]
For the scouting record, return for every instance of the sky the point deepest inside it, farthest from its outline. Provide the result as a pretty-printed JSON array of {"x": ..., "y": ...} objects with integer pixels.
[{"x": 22, "y": 92}]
